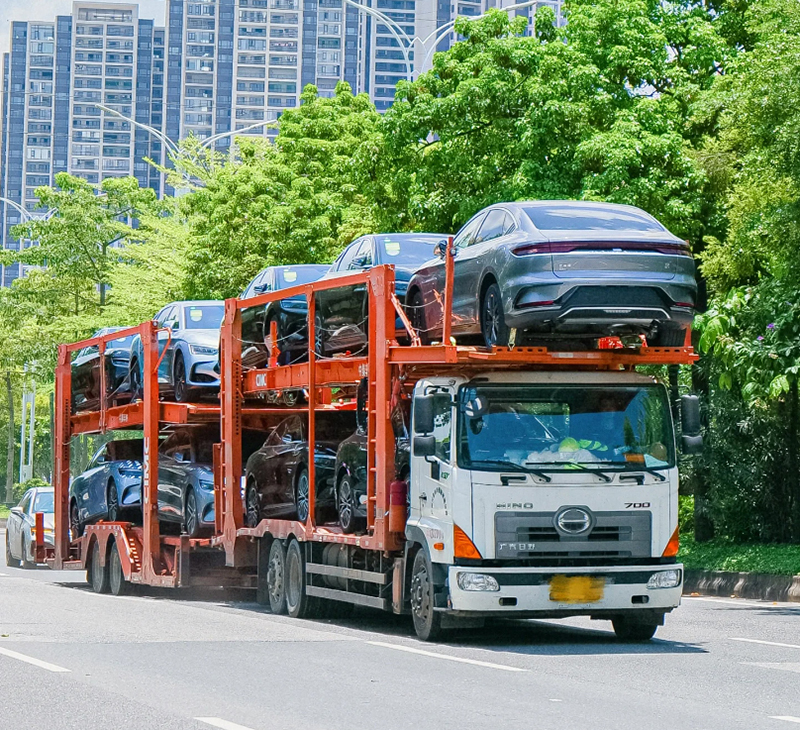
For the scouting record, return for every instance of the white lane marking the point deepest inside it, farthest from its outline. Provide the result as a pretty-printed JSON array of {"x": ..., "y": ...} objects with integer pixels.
[
  {"x": 742, "y": 602},
  {"x": 220, "y": 723},
  {"x": 785, "y": 718},
  {"x": 448, "y": 657},
  {"x": 782, "y": 666},
  {"x": 30, "y": 660},
  {"x": 767, "y": 643}
]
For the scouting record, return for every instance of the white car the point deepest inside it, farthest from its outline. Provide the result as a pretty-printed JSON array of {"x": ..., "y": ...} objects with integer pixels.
[{"x": 22, "y": 520}]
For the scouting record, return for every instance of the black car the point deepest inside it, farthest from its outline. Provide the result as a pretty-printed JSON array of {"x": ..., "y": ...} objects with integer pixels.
[
  {"x": 340, "y": 321},
  {"x": 351, "y": 467},
  {"x": 276, "y": 475},
  {"x": 86, "y": 384},
  {"x": 290, "y": 315}
]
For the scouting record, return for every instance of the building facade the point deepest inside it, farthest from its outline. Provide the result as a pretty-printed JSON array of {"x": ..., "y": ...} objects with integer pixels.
[{"x": 215, "y": 67}]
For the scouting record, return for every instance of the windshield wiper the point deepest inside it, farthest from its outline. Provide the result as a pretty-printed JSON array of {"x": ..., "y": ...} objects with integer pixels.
[
  {"x": 514, "y": 466},
  {"x": 649, "y": 470},
  {"x": 569, "y": 465}
]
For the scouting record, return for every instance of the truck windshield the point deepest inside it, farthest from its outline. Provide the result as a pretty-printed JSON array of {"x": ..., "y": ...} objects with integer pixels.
[{"x": 554, "y": 428}]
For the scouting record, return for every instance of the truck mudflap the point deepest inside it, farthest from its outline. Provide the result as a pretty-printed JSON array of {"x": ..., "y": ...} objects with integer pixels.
[{"x": 551, "y": 592}]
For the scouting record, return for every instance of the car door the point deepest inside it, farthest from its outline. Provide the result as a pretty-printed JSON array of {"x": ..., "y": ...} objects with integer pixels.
[
  {"x": 174, "y": 455},
  {"x": 92, "y": 499},
  {"x": 470, "y": 264},
  {"x": 431, "y": 476},
  {"x": 16, "y": 524}
]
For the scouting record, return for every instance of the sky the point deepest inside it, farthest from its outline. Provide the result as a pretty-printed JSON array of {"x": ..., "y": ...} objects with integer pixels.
[{"x": 48, "y": 9}]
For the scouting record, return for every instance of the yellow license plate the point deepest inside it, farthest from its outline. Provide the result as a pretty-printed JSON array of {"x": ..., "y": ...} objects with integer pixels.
[{"x": 576, "y": 588}]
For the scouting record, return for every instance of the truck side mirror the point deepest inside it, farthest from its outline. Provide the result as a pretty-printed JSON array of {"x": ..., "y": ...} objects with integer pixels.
[
  {"x": 424, "y": 446},
  {"x": 423, "y": 413},
  {"x": 691, "y": 438}
]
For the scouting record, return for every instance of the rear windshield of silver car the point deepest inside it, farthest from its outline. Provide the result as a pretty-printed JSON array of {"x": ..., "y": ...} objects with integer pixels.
[
  {"x": 203, "y": 316},
  {"x": 585, "y": 218}
]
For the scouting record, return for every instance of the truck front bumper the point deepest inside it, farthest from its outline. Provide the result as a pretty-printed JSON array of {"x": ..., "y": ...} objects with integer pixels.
[{"x": 532, "y": 592}]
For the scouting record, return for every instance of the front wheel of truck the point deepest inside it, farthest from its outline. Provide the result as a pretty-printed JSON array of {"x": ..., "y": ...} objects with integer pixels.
[
  {"x": 628, "y": 629},
  {"x": 427, "y": 623}
]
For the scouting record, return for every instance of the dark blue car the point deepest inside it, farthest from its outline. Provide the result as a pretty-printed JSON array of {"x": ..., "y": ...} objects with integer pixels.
[{"x": 340, "y": 323}]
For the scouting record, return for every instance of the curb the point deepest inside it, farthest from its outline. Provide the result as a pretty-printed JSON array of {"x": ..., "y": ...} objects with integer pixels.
[{"x": 761, "y": 586}]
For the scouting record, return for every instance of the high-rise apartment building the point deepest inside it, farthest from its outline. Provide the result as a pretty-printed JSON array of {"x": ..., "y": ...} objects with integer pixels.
[
  {"x": 218, "y": 66},
  {"x": 62, "y": 82}
]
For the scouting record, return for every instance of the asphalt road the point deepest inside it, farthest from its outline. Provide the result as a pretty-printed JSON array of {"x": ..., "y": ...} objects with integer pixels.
[{"x": 73, "y": 660}]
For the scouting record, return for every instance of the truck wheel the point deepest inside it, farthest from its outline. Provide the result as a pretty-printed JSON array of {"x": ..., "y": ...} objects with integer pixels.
[
  {"x": 276, "y": 577},
  {"x": 628, "y": 629},
  {"x": 98, "y": 573},
  {"x": 11, "y": 561},
  {"x": 427, "y": 623},
  {"x": 298, "y": 603},
  {"x": 116, "y": 577}
]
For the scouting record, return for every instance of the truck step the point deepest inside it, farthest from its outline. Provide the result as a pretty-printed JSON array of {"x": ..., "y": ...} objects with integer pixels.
[{"x": 357, "y": 598}]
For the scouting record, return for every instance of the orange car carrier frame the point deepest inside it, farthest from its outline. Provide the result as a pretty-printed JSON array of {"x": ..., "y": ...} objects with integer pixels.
[{"x": 236, "y": 555}]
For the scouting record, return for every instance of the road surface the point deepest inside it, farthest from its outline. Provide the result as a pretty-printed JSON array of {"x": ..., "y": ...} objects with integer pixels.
[{"x": 74, "y": 660}]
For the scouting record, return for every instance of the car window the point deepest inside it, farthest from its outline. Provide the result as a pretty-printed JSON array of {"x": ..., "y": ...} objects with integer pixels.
[
  {"x": 299, "y": 275},
  {"x": 25, "y": 504},
  {"x": 407, "y": 250},
  {"x": 467, "y": 233},
  {"x": 343, "y": 262},
  {"x": 362, "y": 259},
  {"x": 590, "y": 217},
  {"x": 177, "y": 446},
  {"x": 492, "y": 227},
  {"x": 43, "y": 502},
  {"x": 294, "y": 431},
  {"x": 275, "y": 437},
  {"x": 399, "y": 423},
  {"x": 101, "y": 457},
  {"x": 165, "y": 315},
  {"x": 509, "y": 224},
  {"x": 203, "y": 316}
]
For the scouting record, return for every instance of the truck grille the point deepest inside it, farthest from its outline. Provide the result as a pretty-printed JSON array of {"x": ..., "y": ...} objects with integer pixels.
[{"x": 534, "y": 535}]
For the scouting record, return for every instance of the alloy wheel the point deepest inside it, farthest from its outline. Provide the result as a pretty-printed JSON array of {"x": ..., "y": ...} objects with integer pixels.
[{"x": 301, "y": 497}]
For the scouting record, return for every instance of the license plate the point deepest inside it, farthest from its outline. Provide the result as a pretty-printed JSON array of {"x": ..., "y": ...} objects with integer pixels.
[{"x": 576, "y": 588}]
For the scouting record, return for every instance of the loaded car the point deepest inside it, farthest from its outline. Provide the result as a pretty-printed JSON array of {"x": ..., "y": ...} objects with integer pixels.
[
  {"x": 186, "y": 479},
  {"x": 86, "y": 381},
  {"x": 110, "y": 488},
  {"x": 290, "y": 315},
  {"x": 351, "y": 465},
  {"x": 276, "y": 475},
  {"x": 340, "y": 321},
  {"x": 21, "y": 522},
  {"x": 188, "y": 337},
  {"x": 560, "y": 270}
]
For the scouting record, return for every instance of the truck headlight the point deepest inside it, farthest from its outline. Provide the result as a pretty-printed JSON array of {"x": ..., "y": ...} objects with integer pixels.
[
  {"x": 665, "y": 579},
  {"x": 476, "y": 582}
]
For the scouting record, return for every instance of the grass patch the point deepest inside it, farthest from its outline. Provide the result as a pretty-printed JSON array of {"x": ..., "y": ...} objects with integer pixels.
[
  {"x": 4, "y": 512},
  {"x": 751, "y": 558}
]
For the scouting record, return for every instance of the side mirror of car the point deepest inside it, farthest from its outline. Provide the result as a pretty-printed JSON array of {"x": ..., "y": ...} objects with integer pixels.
[
  {"x": 440, "y": 249},
  {"x": 260, "y": 289},
  {"x": 423, "y": 414},
  {"x": 424, "y": 446},
  {"x": 17, "y": 511}
]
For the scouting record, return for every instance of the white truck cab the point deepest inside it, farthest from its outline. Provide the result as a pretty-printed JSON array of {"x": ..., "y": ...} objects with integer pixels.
[{"x": 546, "y": 493}]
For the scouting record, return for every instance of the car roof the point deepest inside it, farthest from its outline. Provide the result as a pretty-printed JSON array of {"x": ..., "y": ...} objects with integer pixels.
[{"x": 193, "y": 302}]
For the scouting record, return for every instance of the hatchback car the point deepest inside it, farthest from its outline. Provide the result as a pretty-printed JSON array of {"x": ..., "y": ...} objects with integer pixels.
[
  {"x": 86, "y": 382},
  {"x": 276, "y": 475},
  {"x": 189, "y": 338},
  {"x": 21, "y": 522},
  {"x": 340, "y": 322},
  {"x": 560, "y": 270},
  {"x": 290, "y": 315},
  {"x": 110, "y": 488}
]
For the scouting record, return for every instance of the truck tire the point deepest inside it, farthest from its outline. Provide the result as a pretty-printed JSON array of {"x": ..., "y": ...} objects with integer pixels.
[
  {"x": 427, "y": 623},
  {"x": 98, "y": 573},
  {"x": 116, "y": 577},
  {"x": 276, "y": 577},
  {"x": 298, "y": 603},
  {"x": 629, "y": 629}
]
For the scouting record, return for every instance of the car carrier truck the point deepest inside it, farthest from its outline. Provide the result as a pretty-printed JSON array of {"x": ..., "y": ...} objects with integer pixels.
[{"x": 536, "y": 483}]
